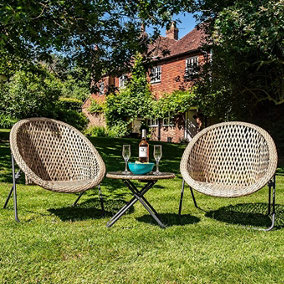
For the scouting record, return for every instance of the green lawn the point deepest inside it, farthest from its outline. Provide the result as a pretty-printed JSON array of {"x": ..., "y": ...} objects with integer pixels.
[{"x": 55, "y": 243}]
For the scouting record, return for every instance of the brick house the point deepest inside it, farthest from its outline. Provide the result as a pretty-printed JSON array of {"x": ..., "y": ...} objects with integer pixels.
[{"x": 174, "y": 62}]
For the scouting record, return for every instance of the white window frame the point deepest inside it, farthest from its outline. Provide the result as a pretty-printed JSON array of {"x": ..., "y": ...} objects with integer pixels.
[
  {"x": 101, "y": 87},
  {"x": 191, "y": 63},
  {"x": 153, "y": 122},
  {"x": 122, "y": 81},
  {"x": 156, "y": 74},
  {"x": 168, "y": 121}
]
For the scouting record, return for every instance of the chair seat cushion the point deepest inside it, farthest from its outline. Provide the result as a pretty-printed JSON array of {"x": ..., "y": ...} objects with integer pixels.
[
  {"x": 69, "y": 186},
  {"x": 225, "y": 190}
]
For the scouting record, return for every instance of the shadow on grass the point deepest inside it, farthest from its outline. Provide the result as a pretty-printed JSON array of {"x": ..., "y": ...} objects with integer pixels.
[
  {"x": 249, "y": 214},
  {"x": 170, "y": 219},
  {"x": 90, "y": 209}
]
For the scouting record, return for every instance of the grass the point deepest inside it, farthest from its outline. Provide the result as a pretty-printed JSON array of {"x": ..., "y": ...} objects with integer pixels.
[{"x": 55, "y": 243}]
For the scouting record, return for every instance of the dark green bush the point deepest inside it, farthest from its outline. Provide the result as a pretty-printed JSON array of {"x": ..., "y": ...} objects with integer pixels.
[
  {"x": 96, "y": 131},
  {"x": 7, "y": 121}
]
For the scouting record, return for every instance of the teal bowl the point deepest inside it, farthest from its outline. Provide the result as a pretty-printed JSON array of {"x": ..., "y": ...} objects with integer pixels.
[{"x": 140, "y": 169}]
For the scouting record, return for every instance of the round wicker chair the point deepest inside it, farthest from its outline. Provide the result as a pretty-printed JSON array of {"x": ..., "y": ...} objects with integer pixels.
[
  {"x": 55, "y": 156},
  {"x": 230, "y": 159}
]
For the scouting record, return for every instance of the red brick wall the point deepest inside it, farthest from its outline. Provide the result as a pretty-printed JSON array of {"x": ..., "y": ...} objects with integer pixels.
[
  {"x": 176, "y": 132},
  {"x": 95, "y": 119},
  {"x": 172, "y": 76}
]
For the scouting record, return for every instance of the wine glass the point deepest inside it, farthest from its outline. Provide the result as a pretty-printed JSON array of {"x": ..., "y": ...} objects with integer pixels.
[
  {"x": 157, "y": 156},
  {"x": 126, "y": 153}
]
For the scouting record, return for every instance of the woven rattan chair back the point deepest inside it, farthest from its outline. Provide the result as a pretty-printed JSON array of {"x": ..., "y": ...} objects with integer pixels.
[
  {"x": 229, "y": 159},
  {"x": 51, "y": 153}
]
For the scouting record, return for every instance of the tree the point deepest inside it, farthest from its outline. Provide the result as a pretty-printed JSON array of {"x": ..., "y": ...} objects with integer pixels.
[
  {"x": 132, "y": 102},
  {"x": 247, "y": 69},
  {"x": 96, "y": 34}
]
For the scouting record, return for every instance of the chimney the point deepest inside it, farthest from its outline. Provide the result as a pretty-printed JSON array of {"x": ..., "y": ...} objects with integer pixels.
[{"x": 172, "y": 32}]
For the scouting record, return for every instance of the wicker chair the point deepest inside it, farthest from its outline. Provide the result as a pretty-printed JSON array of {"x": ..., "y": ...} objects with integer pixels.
[
  {"x": 230, "y": 159},
  {"x": 55, "y": 156}
]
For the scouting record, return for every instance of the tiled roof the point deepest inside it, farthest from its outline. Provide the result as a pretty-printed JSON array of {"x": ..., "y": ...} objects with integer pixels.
[
  {"x": 161, "y": 47},
  {"x": 164, "y": 47}
]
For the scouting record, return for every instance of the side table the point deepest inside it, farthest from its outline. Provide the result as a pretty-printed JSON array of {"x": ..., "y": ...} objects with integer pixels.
[{"x": 138, "y": 195}]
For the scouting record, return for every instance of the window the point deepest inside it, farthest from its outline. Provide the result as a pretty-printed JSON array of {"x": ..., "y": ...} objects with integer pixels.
[
  {"x": 122, "y": 81},
  {"x": 101, "y": 87},
  {"x": 154, "y": 122},
  {"x": 191, "y": 67},
  {"x": 168, "y": 121},
  {"x": 156, "y": 74}
]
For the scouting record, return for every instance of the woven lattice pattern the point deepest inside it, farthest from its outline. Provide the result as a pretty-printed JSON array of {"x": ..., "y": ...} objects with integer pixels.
[
  {"x": 229, "y": 160},
  {"x": 55, "y": 155}
]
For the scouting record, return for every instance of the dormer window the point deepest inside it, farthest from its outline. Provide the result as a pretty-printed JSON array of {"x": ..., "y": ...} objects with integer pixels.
[
  {"x": 191, "y": 67},
  {"x": 122, "y": 81},
  {"x": 156, "y": 74}
]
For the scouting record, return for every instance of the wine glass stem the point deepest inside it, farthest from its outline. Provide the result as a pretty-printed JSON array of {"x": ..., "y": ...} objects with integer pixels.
[
  {"x": 125, "y": 165},
  {"x": 157, "y": 166}
]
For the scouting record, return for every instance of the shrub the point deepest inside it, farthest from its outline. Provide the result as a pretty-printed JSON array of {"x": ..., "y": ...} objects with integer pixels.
[
  {"x": 96, "y": 131},
  {"x": 70, "y": 103},
  {"x": 7, "y": 121},
  {"x": 120, "y": 129},
  {"x": 96, "y": 107},
  {"x": 72, "y": 117},
  {"x": 29, "y": 94}
]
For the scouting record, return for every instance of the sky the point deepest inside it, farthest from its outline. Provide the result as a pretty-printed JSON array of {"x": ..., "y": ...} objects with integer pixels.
[{"x": 186, "y": 24}]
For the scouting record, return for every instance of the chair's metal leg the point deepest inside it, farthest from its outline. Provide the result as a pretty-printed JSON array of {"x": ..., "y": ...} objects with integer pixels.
[
  {"x": 192, "y": 194},
  {"x": 269, "y": 197},
  {"x": 181, "y": 197},
  {"x": 273, "y": 184},
  {"x": 8, "y": 198},
  {"x": 17, "y": 176},
  {"x": 101, "y": 199},
  {"x": 78, "y": 198},
  {"x": 15, "y": 190}
]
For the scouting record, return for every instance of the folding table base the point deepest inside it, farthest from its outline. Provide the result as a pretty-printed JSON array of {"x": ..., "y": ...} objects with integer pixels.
[{"x": 138, "y": 196}]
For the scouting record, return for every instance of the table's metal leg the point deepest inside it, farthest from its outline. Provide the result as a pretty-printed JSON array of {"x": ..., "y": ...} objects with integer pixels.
[
  {"x": 126, "y": 206},
  {"x": 121, "y": 212},
  {"x": 150, "y": 211},
  {"x": 139, "y": 195}
]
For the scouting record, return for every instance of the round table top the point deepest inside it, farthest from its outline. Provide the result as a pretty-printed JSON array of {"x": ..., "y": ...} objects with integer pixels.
[{"x": 149, "y": 176}]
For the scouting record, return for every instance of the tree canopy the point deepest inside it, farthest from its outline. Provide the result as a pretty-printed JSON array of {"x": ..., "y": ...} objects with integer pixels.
[
  {"x": 247, "y": 70},
  {"x": 95, "y": 34}
]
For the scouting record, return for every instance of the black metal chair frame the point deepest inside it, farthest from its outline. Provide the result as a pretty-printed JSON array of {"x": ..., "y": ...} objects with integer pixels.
[
  {"x": 271, "y": 184},
  {"x": 13, "y": 190}
]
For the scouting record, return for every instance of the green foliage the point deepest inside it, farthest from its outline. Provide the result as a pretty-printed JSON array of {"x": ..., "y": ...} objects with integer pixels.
[
  {"x": 70, "y": 103},
  {"x": 69, "y": 111},
  {"x": 29, "y": 94},
  {"x": 32, "y": 94},
  {"x": 248, "y": 67},
  {"x": 133, "y": 101},
  {"x": 30, "y": 29},
  {"x": 75, "y": 82},
  {"x": 119, "y": 129},
  {"x": 175, "y": 102},
  {"x": 7, "y": 121},
  {"x": 96, "y": 131},
  {"x": 96, "y": 107}
]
